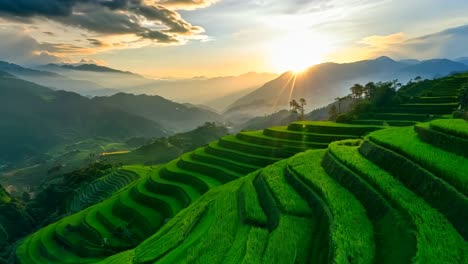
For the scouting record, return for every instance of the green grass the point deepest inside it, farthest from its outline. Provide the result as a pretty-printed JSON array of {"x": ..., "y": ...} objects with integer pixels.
[
  {"x": 220, "y": 204},
  {"x": 285, "y": 133},
  {"x": 256, "y": 243},
  {"x": 239, "y": 156},
  {"x": 291, "y": 146},
  {"x": 251, "y": 211},
  {"x": 396, "y": 123},
  {"x": 327, "y": 127},
  {"x": 239, "y": 167},
  {"x": 397, "y": 116},
  {"x": 288, "y": 200},
  {"x": 448, "y": 166},
  {"x": 352, "y": 234},
  {"x": 101, "y": 189},
  {"x": 4, "y": 197},
  {"x": 234, "y": 143},
  {"x": 432, "y": 228},
  {"x": 393, "y": 242},
  {"x": 289, "y": 242},
  {"x": 456, "y": 127},
  {"x": 435, "y": 192},
  {"x": 442, "y": 139}
]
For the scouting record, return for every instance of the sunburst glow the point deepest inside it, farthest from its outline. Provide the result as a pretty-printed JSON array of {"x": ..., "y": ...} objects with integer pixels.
[{"x": 296, "y": 53}]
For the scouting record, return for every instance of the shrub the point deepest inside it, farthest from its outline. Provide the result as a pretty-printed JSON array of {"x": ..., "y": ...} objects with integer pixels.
[
  {"x": 345, "y": 118},
  {"x": 461, "y": 114}
]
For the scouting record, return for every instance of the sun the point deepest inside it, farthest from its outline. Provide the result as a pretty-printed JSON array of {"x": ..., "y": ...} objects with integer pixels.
[{"x": 296, "y": 53}]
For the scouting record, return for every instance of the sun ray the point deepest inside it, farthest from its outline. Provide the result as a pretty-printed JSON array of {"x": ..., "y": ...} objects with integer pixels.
[
  {"x": 281, "y": 91},
  {"x": 292, "y": 87}
]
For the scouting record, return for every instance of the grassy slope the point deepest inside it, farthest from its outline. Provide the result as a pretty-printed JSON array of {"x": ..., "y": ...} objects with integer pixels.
[{"x": 297, "y": 210}]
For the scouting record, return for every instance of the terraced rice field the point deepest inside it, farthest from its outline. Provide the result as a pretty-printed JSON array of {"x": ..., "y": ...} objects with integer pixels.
[
  {"x": 102, "y": 188},
  {"x": 426, "y": 100},
  {"x": 346, "y": 204},
  {"x": 152, "y": 196},
  {"x": 311, "y": 192}
]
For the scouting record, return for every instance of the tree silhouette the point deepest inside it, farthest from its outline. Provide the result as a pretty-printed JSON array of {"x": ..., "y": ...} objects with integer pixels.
[
  {"x": 333, "y": 113},
  {"x": 357, "y": 90},
  {"x": 298, "y": 107}
]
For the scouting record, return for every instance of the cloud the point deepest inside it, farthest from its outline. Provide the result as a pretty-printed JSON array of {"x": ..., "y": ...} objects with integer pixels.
[
  {"x": 96, "y": 42},
  {"x": 185, "y": 4},
  {"x": 92, "y": 61},
  {"x": 449, "y": 43},
  {"x": 154, "y": 20},
  {"x": 20, "y": 48},
  {"x": 377, "y": 41}
]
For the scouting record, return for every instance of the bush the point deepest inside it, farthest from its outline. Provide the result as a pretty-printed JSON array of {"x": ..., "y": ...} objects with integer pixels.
[
  {"x": 461, "y": 114},
  {"x": 345, "y": 118}
]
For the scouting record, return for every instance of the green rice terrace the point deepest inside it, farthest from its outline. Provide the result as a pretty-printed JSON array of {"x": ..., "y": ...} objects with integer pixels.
[
  {"x": 389, "y": 188},
  {"x": 311, "y": 192},
  {"x": 422, "y": 101}
]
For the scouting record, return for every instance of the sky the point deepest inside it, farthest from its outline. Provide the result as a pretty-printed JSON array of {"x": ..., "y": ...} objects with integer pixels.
[{"x": 187, "y": 38}]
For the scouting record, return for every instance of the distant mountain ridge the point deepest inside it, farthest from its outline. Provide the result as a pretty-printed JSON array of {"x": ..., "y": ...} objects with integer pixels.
[
  {"x": 174, "y": 116},
  {"x": 55, "y": 80},
  {"x": 36, "y": 118},
  {"x": 88, "y": 67},
  {"x": 217, "y": 92},
  {"x": 463, "y": 60},
  {"x": 320, "y": 84}
]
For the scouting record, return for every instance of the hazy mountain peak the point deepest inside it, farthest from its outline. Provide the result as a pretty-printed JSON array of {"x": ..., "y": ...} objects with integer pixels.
[
  {"x": 384, "y": 58},
  {"x": 89, "y": 67}
]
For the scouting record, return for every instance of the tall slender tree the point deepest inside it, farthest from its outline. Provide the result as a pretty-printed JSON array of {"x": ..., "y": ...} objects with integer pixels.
[{"x": 298, "y": 107}]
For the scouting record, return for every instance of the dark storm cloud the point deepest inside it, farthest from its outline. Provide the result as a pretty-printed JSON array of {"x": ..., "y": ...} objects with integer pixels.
[{"x": 108, "y": 16}]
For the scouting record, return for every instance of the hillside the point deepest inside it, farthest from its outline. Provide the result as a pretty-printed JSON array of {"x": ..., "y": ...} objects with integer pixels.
[
  {"x": 419, "y": 101},
  {"x": 162, "y": 150},
  {"x": 36, "y": 118},
  {"x": 316, "y": 192},
  {"x": 218, "y": 92},
  {"x": 312, "y": 193},
  {"x": 15, "y": 222},
  {"x": 344, "y": 205},
  {"x": 171, "y": 115},
  {"x": 110, "y": 80},
  {"x": 160, "y": 194},
  {"x": 85, "y": 67},
  {"x": 320, "y": 84},
  {"x": 56, "y": 80}
]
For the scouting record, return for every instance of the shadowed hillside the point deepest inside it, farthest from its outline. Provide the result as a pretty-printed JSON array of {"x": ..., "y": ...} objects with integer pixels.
[{"x": 36, "y": 118}]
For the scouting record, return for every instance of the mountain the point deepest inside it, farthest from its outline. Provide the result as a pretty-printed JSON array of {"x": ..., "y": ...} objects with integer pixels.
[
  {"x": 279, "y": 118},
  {"x": 36, "y": 118},
  {"x": 435, "y": 68},
  {"x": 55, "y": 80},
  {"x": 216, "y": 92},
  {"x": 284, "y": 117},
  {"x": 320, "y": 84},
  {"x": 162, "y": 150},
  {"x": 105, "y": 77},
  {"x": 463, "y": 60},
  {"x": 171, "y": 115},
  {"x": 410, "y": 61},
  {"x": 88, "y": 67}
]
